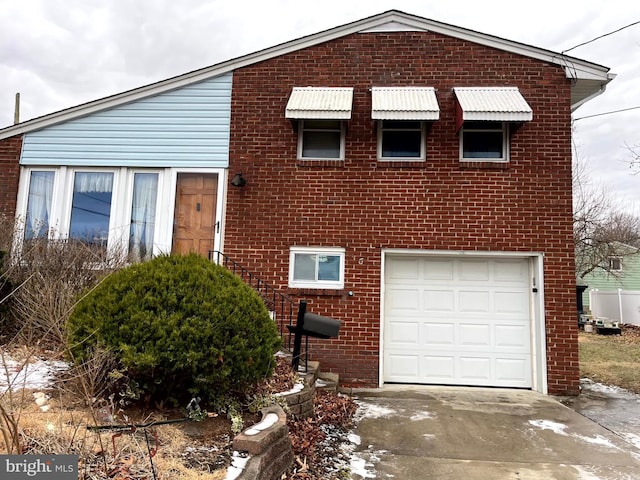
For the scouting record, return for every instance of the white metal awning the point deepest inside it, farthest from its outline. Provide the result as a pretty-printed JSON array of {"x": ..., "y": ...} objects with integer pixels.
[
  {"x": 320, "y": 102},
  {"x": 498, "y": 104},
  {"x": 404, "y": 103}
]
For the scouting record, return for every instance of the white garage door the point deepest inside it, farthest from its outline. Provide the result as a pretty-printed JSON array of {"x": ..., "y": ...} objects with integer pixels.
[{"x": 457, "y": 321}]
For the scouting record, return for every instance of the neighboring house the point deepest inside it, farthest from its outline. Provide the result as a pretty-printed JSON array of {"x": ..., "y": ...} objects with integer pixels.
[
  {"x": 408, "y": 177},
  {"x": 622, "y": 272}
]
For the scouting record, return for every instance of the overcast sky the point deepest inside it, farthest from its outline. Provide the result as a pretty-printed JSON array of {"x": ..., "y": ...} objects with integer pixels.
[{"x": 58, "y": 54}]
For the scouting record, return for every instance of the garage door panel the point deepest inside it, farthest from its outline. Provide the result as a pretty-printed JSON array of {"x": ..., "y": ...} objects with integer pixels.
[
  {"x": 405, "y": 299},
  {"x": 511, "y": 271},
  {"x": 439, "y": 334},
  {"x": 403, "y": 268},
  {"x": 436, "y": 269},
  {"x": 405, "y": 366},
  {"x": 512, "y": 302},
  {"x": 512, "y": 370},
  {"x": 474, "y": 301},
  {"x": 439, "y": 300},
  {"x": 513, "y": 336},
  {"x": 474, "y": 335},
  {"x": 473, "y": 271},
  {"x": 439, "y": 367},
  {"x": 461, "y": 321},
  {"x": 472, "y": 369},
  {"x": 405, "y": 333}
]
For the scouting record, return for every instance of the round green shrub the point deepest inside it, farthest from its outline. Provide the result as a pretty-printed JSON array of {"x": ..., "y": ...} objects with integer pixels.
[{"x": 180, "y": 325}]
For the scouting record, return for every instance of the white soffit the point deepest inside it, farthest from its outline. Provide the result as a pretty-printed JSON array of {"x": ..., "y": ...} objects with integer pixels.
[
  {"x": 320, "y": 102},
  {"x": 499, "y": 104},
  {"x": 404, "y": 103}
]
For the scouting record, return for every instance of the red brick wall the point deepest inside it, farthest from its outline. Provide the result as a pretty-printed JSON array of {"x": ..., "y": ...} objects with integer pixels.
[
  {"x": 10, "y": 149},
  {"x": 364, "y": 206}
]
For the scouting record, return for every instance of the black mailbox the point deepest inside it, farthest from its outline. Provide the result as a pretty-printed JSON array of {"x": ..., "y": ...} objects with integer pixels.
[
  {"x": 310, "y": 325},
  {"x": 319, "y": 326}
]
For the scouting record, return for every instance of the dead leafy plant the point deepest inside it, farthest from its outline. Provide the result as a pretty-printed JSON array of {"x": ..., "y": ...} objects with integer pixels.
[
  {"x": 51, "y": 276},
  {"x": 315, "y": 441}
]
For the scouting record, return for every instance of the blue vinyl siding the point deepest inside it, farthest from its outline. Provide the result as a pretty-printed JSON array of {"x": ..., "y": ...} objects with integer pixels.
[{"x": 188, "y": 127}]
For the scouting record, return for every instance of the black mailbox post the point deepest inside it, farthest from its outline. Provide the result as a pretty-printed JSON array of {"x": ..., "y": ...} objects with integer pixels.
[{"x": 310, "y": 325}]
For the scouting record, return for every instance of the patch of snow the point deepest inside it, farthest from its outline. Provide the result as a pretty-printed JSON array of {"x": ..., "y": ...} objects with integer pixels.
[
  {"x": 584, "y": 474},
  {"x": 238, "y": 462},
  {"x": 599, "y": 473},
  {"x": 368, "y": 410},
  {"x": 421, "y": 416},
  {"x": 201, "y": 449},
  {"x": 632, "y": 438},
  {"x": 559, "y": 428},
  {"x": 596, "y": 387},
  {"x": 549, "y": 425},
  {"x": 353, "y": 438},
  {"x": 298, "y": 387},
  {"x": 597, "y": 440},
  {"x": 359, "y": 466},
  {"x": 269, "y": 420},
  {"x": 429, "y": 436},
  {"x": 35, "y": 375}
]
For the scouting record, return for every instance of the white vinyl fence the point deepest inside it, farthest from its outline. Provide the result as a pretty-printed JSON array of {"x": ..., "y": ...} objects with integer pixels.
[{"x": 622, "y": 305}]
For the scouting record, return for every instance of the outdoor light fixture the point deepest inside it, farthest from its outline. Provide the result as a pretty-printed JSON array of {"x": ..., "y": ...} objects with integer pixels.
[{"x": 238, "y": 180}]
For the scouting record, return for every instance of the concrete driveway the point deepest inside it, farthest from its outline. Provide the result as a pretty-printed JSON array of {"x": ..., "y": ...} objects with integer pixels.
[{"x": 459, "y": 433}]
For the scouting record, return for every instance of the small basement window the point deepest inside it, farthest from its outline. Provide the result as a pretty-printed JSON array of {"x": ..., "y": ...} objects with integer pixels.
[
  {"x": 321, "y": 139},
  {"x": 316, "y": 268},
  {"x": 484, "y": 141}
]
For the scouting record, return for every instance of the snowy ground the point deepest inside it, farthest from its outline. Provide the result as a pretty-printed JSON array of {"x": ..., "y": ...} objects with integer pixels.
[{"x": 32, "y": 374}]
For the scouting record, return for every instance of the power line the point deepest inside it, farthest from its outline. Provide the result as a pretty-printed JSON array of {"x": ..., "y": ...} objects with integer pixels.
[
  {"x": 606, "y": 113},
  {"x": 602, "y": 36}
]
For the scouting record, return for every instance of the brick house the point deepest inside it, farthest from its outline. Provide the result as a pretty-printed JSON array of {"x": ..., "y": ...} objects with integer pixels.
[{"x": 408, "y": 177}]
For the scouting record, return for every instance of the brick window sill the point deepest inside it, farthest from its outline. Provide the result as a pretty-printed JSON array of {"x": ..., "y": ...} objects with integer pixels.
[
  {"x": 320, "y": 163},
  {"x": 317, "y": 292},
  {"x": 417, "y": 165},
  {"x": 484, "y": 165}
]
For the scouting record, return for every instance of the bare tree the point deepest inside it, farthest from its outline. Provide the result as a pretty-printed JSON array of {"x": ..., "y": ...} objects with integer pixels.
[
  {"x": 634, "y": 161},
  {"x": 602, "y": 230}
]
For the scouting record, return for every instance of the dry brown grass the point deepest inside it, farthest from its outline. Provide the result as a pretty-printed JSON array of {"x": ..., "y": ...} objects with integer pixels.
[
  {"x": 612, "y": 359},
  {"x": 177, "y": 452}
]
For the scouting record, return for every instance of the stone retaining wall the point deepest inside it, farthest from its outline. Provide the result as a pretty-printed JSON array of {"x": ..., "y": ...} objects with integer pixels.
[
  {"x": 300, "y": 403},
  {"x": 268, "y": 443},
  {"x": 268, "y": 446}
]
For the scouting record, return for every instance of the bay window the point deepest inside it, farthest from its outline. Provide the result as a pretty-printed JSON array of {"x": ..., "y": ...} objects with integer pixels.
[{"x": 109, "y": 210}]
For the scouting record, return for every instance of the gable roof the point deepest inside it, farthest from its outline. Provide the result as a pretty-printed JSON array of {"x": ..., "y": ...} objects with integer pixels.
[{"x": 589, "y": 79}]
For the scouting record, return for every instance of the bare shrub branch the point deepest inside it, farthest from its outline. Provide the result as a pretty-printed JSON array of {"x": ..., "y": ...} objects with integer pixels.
[{"x": 602, "y": 229}]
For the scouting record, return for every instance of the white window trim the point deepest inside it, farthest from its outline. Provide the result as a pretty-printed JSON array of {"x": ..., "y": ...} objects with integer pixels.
[
  {"x": 506, "y": 150},
  {"x": 317, "y": 284},
  {"x": 64, "y": 213},
  {"x": 61, "y": 203},
  {"x": 423, "y": 146},
  {"x": 301, "y": 130},
  {"x": 611, "y": 261}
]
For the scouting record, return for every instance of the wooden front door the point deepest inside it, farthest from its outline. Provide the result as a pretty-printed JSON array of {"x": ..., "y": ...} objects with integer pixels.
[{"x": 195, "y": 213}]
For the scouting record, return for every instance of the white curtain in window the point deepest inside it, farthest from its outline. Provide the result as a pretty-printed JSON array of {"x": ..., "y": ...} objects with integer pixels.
[
  {"x": 143, "y": 215},
  {"x": 39, "y": 203},
  {"x": 93, "y": 182}
]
